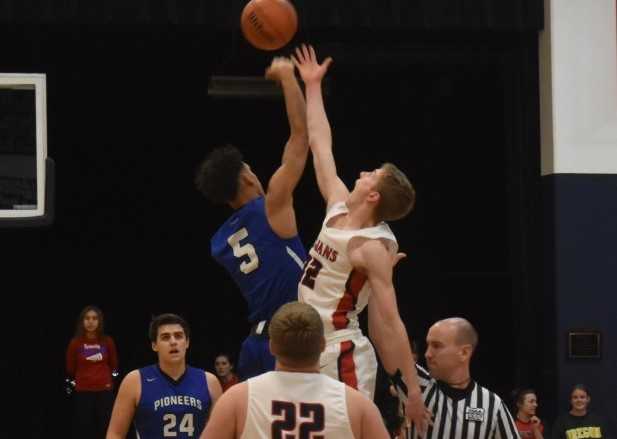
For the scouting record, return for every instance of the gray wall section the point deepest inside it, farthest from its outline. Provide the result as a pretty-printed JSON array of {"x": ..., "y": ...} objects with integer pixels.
[{"x": 584, "y": 279}]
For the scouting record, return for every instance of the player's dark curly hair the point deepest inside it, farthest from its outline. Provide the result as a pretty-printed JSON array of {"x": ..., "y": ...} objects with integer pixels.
[{"x": 217, "y": 176}]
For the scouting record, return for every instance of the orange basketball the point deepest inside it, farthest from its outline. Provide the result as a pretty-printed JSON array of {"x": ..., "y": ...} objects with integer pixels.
[{"x": 269, "y": 24}]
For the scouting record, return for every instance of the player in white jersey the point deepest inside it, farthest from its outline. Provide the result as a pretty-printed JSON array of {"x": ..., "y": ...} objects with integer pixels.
[
  {"x": 339, "y": 292},
  {"x": 295, "y": 400},
  {"x": 350, "y": 264}
]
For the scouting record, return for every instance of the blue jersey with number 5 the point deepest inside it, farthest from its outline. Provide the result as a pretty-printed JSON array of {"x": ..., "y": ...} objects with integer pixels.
[
  {"x": 169, "y": 408},
  {"x": 265, "y": 267}
]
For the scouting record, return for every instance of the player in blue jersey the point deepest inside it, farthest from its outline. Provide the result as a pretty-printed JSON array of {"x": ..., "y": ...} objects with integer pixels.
[
  {"x": 168, "y": 399},
  {"x": 258, "y": 244}
]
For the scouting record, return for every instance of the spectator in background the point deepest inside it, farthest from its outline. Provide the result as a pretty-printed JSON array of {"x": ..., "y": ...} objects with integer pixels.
[
  {"x": 224, "y": 371},
  {"x": 527, "y": 422},
  {"x": 579, "y": 422},
  {"x": 91, "y": 359}
]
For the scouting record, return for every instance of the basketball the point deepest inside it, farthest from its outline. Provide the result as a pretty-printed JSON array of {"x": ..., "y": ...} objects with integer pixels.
[{"x": 269, "y": 24}]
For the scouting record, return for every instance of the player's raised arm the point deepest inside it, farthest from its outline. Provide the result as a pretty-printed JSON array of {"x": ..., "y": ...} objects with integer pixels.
[
  {"x": 320, "y": 134},
  {"x": 279, "y": 196}
]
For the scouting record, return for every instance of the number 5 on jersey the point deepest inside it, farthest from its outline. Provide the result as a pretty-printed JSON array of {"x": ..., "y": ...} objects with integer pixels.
[{"x": 244, "y": 250}]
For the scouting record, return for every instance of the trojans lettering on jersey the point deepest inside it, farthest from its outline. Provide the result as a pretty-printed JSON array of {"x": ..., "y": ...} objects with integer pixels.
[{"x": 325, "y": 250}]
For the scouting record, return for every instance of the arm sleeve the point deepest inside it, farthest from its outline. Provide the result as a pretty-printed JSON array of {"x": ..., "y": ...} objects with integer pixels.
[
  {"x": 506, "y": 429},
  {"x": 71, "y": 359},
  {"x": 423, "y": 377}
]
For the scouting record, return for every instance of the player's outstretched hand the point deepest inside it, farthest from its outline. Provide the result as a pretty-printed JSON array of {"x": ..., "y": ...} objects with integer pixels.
[
  {"x": 279, "y": 68},
  {"x": 305, "y": 60}
]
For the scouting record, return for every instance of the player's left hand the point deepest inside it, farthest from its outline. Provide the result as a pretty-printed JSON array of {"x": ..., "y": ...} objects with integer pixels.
[{"x": 417, "y": 413}]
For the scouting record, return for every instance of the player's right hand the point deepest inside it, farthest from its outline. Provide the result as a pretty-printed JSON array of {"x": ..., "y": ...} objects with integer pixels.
[
  {"x": 306, "y": 62},
  {"x": 279, "y": 68}
]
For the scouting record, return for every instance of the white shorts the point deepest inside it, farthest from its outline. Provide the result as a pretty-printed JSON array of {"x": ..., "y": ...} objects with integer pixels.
[{"x": 351, "y": 360}]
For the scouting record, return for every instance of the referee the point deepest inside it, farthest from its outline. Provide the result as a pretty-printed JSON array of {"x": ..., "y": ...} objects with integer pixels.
[{"x": 461, "y": 408}]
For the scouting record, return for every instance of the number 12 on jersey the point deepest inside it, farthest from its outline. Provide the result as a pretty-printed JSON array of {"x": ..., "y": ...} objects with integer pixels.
[{"x": 311, "y": 271}]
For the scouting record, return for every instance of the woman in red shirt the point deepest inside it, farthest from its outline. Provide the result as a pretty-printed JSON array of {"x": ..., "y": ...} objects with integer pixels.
[
  {"x": 224, "y": 371},
  {"x": 91, "y": 359}
]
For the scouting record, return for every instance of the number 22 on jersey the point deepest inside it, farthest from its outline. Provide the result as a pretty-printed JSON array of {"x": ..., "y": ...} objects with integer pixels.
[
  {"x": 241, "y": 250},
  {"x": 307, "y": 418}
]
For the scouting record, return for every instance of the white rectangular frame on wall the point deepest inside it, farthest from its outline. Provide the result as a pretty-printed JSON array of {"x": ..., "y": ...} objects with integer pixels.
[{"x": 38, "y": 82}]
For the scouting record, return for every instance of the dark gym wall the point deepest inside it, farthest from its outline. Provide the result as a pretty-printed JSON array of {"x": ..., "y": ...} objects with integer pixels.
[{"x": 583, "y": 238}]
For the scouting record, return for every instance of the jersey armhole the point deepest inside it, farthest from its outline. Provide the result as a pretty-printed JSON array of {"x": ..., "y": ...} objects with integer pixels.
[
  {"x": 139, "y": 391},
  {"x": 248, "y": 408},
  {"x": 336, "y": 209}
]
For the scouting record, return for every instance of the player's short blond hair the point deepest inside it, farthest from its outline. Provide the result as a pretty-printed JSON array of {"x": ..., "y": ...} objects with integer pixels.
[
  {"x": 297, "y": 333},
  {"x": 397, "y": 195}
]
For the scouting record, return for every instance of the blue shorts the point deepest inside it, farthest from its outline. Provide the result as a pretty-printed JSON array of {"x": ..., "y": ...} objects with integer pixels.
[{"x": 255, "y": 357}]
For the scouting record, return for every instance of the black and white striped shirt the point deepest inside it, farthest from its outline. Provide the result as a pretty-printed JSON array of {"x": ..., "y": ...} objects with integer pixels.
[{"x": 471, "y": 413}]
